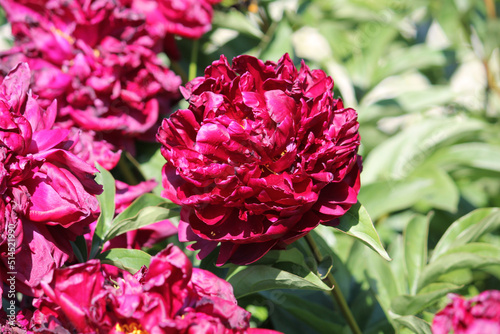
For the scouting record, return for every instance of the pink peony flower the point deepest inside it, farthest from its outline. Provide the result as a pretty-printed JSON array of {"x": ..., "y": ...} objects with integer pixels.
[
  {"x": 261, "y": 157},
  {"x": 185, "y": 18},
  {"x": 169, "y": 297},
  {"x": 478, "y": 315},
  {"x": 20, "y": 323},
  {"x": 47, "y": 193},
  {"x": 95, "y": 58}
]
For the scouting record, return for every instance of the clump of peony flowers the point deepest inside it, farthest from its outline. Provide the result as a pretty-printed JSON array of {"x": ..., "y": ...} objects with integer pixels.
[
  {"x": 168, "y": 297},
  {"x": 263, "y": 154},
  {"x": 477, "y": 315},
  {"x": 47, "y": 194},
  {"x": 96, "y": 59}
]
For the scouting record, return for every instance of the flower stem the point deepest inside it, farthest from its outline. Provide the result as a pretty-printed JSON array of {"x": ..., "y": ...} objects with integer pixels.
[
  {"x": 336, "y": 293},
  {"x": 127, "y": 173},
  {"x": 194, "y": 60}
]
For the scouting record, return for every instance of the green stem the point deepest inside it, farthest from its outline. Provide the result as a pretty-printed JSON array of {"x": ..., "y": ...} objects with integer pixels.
[
  {"x": 336, "y": 293},
  {"x": 127, "y": 173},
  {"x": 179, "y": 71},
  {"x": 194, "y": 60}
]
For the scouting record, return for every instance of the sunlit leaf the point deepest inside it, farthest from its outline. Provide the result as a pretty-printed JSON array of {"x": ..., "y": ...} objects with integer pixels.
[
  {"x": 416, "y": 325},
  {"x": 412, "y": 304},
  {"x": 256, "y": 278},
  {"x": 107, "y": 206},
  {"x": 468, "y": 228},
  {"x": 415, "y": 248},
  {"x": 469, "y": 256},
  {"x": 357, "y": 223},
  {"x": 146, "y": 210},
  {"x": 130, "y": 260}
]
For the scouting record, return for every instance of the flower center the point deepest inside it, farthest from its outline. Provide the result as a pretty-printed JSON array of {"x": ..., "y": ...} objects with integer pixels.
[
  {"x": 64, "y": 35},
  {"x": 132, "y": 328}
]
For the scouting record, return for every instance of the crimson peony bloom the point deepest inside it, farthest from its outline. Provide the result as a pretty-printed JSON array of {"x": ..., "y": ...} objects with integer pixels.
[
  {"x": 478, "y": 315},
  {"x": 263, "y": 154},
  {"x": 47, "y": 193},
  {"x": 169, "y": 297}
]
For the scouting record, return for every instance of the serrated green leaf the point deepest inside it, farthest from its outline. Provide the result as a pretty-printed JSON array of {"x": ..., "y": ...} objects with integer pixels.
[
  {"x": 357, "y": 223},
  {"x": 468, "y": 228},
  {"x": 415, "y": 248},
  {"x": 147, "y": 209},
  {"x": 257, "y": 278},
  {"x": 130, "y": 260},
  {"x": 107, "y": 206},
  {"x": 416, "y": 325},
  {"x": 412, "y": 304}
]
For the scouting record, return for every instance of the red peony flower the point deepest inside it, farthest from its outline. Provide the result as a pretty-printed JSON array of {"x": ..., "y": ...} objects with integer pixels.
[
  {"x": 261, "y": 157},
  {"x": 169, "y": 297},
  {"x": 478, "y": 315},
  {"x": 47, "y": 193}
]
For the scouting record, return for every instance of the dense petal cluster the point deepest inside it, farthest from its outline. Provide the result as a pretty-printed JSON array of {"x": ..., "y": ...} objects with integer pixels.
[
  {"x": 186, "y": 18},
  {"x": 95, "y": 58},
  {"x": 47, "y": 194},
  {"x": 169, "y": 297},
  {"x": 261, "y": 157},
  {"x": 478, "y": 315}
]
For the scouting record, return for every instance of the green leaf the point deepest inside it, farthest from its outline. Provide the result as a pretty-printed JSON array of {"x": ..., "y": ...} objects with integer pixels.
[
  {"x": 468, "y": 228},
  {"x": 415, "y": 248},
  {"x": 236, "y": 20},
  {"x": 443, "y": 193},
  {"x": 381, "y": 279},
  {"x": 408, "y": 58},
  {"x": 316, "y": 316},
  {"x": 147, "y": 209},
  {"x": 130, "y": 260},
  {"x": 150, "y": 163},
  {"x": 256, "y": 278},
  {"x": 421, "y": 100},
  {"x": 470, "y": 256},
  {"x": 477, "y": 155},
  {"x": 417, "y": 325},
  {"x": 357, "y": 223},
  {"x": 107, "y": 206},
  {"x": 80, "y": 248},
  {"x": 400, "y": 155},
  {"x": 384, "y": 197},
  {"x": 412, "y": 304},
  {"x": 279, "y": 44}
]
